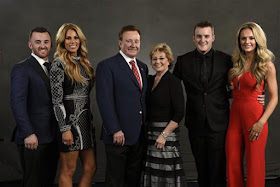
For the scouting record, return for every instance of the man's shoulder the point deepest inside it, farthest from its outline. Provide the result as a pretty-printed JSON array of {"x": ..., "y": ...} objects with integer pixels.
[
  {"x": 139, "y": 62},
  {"x": 221, "y": 53},
  {"x": 24, "y": 62},
  {"x": 186, "y": 55},
  {"x": 110, "y": 60}
]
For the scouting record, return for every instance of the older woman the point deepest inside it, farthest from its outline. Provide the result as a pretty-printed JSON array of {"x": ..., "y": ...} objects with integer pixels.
[
  {"x": 71, "y": 79},
  {"x": 165, "y": 109},
  {"x": 248, "y": 128}
]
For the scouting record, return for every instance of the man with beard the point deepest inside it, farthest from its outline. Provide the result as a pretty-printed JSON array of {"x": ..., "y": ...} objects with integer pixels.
[{"x": 35, "y": 132}]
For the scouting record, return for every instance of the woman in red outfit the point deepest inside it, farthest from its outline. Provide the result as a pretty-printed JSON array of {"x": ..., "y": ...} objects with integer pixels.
[{"x": 248, "y": 128}]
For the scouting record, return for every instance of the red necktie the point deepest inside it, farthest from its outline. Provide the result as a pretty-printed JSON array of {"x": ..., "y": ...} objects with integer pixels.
[{"x": 135, "y": 72}]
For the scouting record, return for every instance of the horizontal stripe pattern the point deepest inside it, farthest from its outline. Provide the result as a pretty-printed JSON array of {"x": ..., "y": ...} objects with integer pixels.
[{"x": 163, "y": 167}]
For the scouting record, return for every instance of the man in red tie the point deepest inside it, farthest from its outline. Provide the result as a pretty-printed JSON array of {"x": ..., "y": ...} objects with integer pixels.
[{"x": 121, "y": 83}]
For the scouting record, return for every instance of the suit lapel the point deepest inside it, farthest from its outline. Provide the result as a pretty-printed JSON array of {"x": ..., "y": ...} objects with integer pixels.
[
  {"x": 215, "y": 67},
  {"x": 124, "y": 66},
  {"x": 35, "y": 64}
]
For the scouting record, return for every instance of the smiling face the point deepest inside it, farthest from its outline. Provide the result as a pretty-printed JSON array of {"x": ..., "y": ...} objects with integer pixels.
[
  {"x": 247, "y": 41},
  {"x": 72, "y": 42},
  {"x": 130, "y": 43},
  {"x": 203, "y": 39},
  {"x": 40, "y": 44},
  {"x": 160, "y": 62}
]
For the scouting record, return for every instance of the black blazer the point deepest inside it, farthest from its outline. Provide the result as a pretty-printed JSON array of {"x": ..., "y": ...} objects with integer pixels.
[
  {"x": 120, "y": 100},
  {"x": 212, "y": 103},
  {"x": 30, "y": 99}
]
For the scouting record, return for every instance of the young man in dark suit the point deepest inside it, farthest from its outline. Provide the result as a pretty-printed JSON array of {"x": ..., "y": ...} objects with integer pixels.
[
  {"x": 121, "y": 83},
  {"x": 204, "y": 72},
  {"x": 36, "y": 127}
]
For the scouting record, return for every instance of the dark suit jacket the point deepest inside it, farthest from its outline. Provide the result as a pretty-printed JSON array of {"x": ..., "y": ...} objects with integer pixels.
[
  {"x": 31, "y": 102},
  {"x": 120, "y": 100},
  {"x": 212, "y": 103}
]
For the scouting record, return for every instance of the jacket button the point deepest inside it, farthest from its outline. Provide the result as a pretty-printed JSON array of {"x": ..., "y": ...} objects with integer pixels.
[
  {"x": 140, "y": 112},
  {"x": 205, "y": 93}
]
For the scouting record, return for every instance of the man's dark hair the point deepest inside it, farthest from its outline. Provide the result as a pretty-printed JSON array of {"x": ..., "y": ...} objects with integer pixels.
[
  {"x": 40, "y": 30},
  {"x": 203, "y": 24},
  {"x": 128, "y": 28}
]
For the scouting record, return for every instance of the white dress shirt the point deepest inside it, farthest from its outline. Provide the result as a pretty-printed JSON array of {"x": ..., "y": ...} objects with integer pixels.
[
  {"x": 41, "y": 62},
  {"x": 128, "y": 59}
]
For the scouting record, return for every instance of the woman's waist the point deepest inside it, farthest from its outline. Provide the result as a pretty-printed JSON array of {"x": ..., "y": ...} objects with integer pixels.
[
  {"x": 252, "y": 103},
  {"x": 76, "y": 97},
  {"x": 246, "y": 96}
]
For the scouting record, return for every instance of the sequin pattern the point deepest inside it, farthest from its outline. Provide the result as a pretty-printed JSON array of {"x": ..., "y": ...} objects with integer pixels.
[{"x": 71, "y": 105}]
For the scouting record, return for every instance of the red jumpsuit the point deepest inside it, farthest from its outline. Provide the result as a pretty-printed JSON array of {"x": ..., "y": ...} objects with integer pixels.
[{"x": 245, "y": 111}]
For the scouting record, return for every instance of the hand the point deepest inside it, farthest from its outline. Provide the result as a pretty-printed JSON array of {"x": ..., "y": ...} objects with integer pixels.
[
  {"x": 31, "y": 142},
  {"x": 261, "y": 99},
  {"x": 67, "y": 138},
  {"x": 160, "y": 142},
  {"x": 118, "y": 138},
  {"x": 255, "y": 131}
]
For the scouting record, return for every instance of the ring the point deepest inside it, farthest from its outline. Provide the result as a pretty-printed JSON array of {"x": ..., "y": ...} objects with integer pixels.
[
  {"x": 257, "y": 134},
  {"x": 65, "y": 143}
]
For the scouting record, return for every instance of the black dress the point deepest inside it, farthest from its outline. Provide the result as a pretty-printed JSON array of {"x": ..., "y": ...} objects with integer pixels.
[
  {"x": 72, "y": 106},
  {"x": 164, "y": 167}
]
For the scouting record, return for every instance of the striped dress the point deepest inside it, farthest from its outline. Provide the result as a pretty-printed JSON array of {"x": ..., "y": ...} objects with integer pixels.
[{"x": 164, "y": 167}]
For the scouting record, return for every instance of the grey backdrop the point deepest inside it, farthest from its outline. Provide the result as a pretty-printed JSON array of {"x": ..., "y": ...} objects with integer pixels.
[{"x": 159, "y": 20}]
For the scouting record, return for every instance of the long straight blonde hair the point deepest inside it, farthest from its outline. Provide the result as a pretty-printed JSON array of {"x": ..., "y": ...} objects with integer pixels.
[
  {"x": 72, "y": 68},
  {"x": 262, "y": 55}
]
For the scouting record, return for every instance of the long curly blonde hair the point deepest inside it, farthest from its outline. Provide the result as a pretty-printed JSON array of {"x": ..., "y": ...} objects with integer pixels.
[
  {"x": 262, "y": 55},
  {"x": 72, "y": 68}
]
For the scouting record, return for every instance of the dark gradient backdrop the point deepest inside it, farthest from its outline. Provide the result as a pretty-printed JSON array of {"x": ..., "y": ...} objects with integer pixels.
[{"x": 159, "y": 20}]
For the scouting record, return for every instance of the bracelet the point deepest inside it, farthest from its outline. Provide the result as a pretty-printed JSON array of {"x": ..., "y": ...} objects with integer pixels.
[{"x": 163, "y": 134}]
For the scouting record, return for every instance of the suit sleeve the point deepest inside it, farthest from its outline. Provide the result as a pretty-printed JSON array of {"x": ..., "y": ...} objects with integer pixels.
[
  {"x": 19, "y": 96},
  {"x": 177, "y": 68},
  {"x": 56, "y": 81},
  {"x": 230, "y": 65},
  {"x": 106, "y": 99},
  {"x": 177, "y": 99}
]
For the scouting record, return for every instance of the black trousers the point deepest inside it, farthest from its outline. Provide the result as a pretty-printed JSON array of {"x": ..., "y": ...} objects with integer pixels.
[
  {"x": 209, "y": 152},
  {"x": 39, "y": 166},
  {"x": 124, "y": 164}
]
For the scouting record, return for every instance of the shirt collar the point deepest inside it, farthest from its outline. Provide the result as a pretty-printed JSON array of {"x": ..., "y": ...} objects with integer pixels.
[
  {"x": 40, "y": 60},
  {"x": 208, "y": 54},
  {"x": 126, "y": 58}
]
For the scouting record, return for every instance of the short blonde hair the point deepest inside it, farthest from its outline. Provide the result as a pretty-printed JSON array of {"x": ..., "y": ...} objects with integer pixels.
[{"x": 163, "y": 47}]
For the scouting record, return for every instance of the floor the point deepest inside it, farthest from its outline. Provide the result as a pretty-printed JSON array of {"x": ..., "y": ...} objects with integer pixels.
[{"x": 268, "y": 183}]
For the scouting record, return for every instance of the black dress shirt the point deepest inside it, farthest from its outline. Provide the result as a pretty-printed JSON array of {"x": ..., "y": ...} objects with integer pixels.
[{"x": 199, "y": 61}]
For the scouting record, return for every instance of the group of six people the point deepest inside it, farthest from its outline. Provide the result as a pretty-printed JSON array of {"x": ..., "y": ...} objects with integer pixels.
[{"x": 141, "y": 113}]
